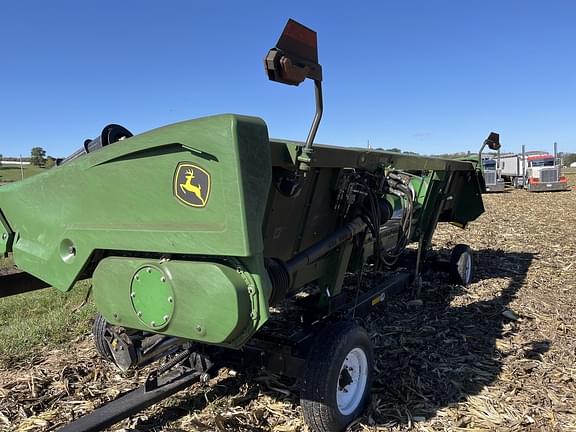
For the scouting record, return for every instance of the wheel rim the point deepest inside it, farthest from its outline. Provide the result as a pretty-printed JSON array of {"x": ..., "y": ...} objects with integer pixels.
[
  {"x": 467, "y": 268},
  {"x": 352, "y": 381}
]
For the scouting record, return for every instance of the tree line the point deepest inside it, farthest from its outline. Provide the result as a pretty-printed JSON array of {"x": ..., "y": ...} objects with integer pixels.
[
  {"x": 569, "y": 158},
  {"x": 38, "y": 158}
]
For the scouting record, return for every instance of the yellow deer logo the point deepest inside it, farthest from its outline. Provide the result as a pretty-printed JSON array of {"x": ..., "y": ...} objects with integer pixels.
[
  {"x": 189, "y": 187},
  {"x": 192, "y": 185}
]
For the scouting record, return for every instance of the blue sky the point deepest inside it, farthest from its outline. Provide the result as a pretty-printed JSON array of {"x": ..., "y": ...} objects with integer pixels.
[{"x": 424, "y": 76}]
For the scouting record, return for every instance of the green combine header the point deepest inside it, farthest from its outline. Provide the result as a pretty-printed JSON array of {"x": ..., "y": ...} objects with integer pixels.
[{"x": 208, "y": 243}]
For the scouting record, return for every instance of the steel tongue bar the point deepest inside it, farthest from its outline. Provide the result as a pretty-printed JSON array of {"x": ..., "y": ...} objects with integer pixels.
[{"x": 139, "y": 399}]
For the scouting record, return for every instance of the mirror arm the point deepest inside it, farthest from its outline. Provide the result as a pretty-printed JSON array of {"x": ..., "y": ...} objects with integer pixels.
[
  {"x": 480, "y": 155},
  {"x": 493, "y": 142},
  {"x": 305, "y": 156},
  {"x": 291, "y": 61}
]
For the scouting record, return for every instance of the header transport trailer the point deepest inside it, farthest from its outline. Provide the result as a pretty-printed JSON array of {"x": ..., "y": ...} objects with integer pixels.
[
  {"x": 535, "y": 171},
  {"x": 209, "y": 244}
]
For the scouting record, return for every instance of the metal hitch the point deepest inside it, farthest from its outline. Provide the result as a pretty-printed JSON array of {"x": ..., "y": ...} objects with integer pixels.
[{"x": 185, "y": 369}]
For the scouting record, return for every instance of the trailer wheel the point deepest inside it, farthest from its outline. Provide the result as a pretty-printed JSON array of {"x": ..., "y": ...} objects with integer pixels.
[
  {"x": 461, "y": 265},
  {"x": 338, "y": 377},
  {"x": 99, "y": 330}
]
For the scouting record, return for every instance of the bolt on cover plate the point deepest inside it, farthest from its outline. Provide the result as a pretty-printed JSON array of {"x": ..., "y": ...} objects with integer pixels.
[{"x": 150, "y": 294}]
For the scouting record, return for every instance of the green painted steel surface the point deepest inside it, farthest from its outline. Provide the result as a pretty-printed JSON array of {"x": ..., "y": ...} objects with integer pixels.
[
  {"x": 122, "y": 198},
  {"x": 212, "y": 302},
  {"x": 152, "y": 297}
]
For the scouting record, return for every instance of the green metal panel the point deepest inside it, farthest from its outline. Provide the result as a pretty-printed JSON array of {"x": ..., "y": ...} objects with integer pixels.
[
  {"x": 325, "y": 156},
  {"x": 212, "y": 302},
  {"x": 123, "y": 198},
  {"x": 464, "y": 199},
  {"x": 152, "y": 297}
]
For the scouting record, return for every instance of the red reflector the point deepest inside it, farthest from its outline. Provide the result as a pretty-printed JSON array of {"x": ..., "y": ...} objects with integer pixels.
[
  {"x": 301, "y": 34},
  {"x": 300, "y": 41}
]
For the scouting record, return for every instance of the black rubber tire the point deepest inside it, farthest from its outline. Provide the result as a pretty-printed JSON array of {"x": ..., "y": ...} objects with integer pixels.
[
  {"x": 322, "y": 375},
  {"x": 99, "y": 328},
  {"x": 460, "y": 259}
]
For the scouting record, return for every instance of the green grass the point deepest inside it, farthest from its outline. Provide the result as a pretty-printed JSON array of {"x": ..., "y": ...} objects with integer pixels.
[
  {"x": 12, "y": 172},
  {"x": 42, "y": 318}
]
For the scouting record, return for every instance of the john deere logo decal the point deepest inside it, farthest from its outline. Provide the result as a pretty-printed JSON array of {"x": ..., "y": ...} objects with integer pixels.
[{"x": 192, "y": 184}]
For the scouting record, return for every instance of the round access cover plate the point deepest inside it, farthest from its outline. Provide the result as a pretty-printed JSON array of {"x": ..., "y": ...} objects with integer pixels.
[{"x": 152, "y": 297}]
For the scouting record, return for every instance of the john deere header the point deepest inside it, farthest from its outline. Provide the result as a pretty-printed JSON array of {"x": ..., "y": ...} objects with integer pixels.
[{"x": 195, "y": 235}]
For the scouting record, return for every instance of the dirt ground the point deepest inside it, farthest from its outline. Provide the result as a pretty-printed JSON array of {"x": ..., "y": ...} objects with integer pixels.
[{"x": 497, "y": 355}]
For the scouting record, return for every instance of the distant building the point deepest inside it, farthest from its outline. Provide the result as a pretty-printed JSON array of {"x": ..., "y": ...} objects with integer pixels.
[{"x": 13, "y": 162}]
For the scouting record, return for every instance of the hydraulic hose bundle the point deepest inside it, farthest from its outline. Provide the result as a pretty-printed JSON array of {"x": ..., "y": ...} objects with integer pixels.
[
  {"x": 399, "y": 187},
  {"x": 376, "y": 210}
]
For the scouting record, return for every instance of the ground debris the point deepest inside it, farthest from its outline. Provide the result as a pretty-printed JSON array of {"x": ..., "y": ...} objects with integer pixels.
[{"x": 499, "y": 354}]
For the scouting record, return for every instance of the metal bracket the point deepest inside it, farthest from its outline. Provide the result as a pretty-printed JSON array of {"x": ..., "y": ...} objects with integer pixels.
[
  {"x": 6, "y": 236},
  {"x": 167, "y": 380}
]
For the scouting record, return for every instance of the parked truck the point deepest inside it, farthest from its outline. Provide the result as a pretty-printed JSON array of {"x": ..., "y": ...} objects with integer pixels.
[
  {"x": 535, "y": 171},
  {"x": 492, "y": 177}
]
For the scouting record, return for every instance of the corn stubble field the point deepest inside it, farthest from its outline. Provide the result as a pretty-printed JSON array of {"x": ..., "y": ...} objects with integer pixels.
[{"x": 497, "y": 355}]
